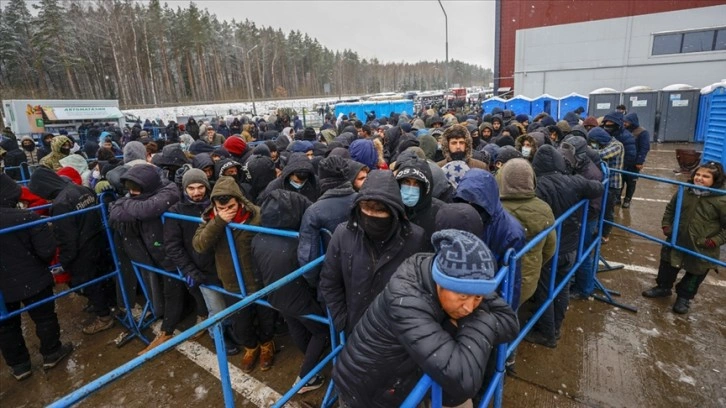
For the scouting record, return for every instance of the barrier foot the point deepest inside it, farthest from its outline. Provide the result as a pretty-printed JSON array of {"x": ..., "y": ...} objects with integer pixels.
[
  {"x": 608, "y": 266},
  {"x": 608, "y": 298},
  {"x": 123, "y": 338}
]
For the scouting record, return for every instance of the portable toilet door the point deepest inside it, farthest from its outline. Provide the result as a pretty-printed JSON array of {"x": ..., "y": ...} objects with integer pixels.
[
  {"x": 704, "y": 105},
  {"x": 714, "y": 148},
  {"x": 519, "y": 104},
  {"x": 547, "y": 104},
  {"x": 678, "y": 113},
  {"x": 571, "y": 102},
  {"x": 643, "y": 101},
  {"x": 491, "y": 103},
  {"x": 602, "y": 101}
]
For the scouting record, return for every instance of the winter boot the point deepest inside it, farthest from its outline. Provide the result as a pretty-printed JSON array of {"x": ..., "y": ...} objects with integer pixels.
[
  {"x": 250, "y": 358},
  {"x": 52, "y": 359},
  {"x": 22, "y": 371},
  {"x": 539, "y": 338},
  {"x": 681, "y": 306},
  {"x": 267, "y": 354},
  {"x": 626, "y": 203},
  {"x": 657, "y": 292},
  {"x": 158, "y": 340},
  {"x": 99, "y": 325}
]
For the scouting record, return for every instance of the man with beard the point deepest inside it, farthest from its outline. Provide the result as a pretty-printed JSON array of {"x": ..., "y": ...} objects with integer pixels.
[{"x": 457, "y": 145}]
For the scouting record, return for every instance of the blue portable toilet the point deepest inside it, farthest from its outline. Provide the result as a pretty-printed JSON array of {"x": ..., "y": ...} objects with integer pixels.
[
  {"x": 704, "y": 109},
  {"x": 547, "y": 104},
  {"x": 491, "y": 103},
  {"x": 519, "y": 104},
  {"x": 714, "y": 147},
  {"x": 571, "y": 102}
]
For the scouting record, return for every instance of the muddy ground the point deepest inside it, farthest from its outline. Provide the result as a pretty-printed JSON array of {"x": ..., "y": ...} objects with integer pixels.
[{"x": 607, "y": 357}]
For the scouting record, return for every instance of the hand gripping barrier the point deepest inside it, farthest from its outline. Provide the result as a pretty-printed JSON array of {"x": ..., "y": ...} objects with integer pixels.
[{"x": 215, "y": 322}]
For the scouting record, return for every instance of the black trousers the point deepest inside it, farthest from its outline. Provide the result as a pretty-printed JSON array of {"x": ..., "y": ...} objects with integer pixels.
[
  {"x": 174, "y": 291},
  {"x": 12, "y": 343},
  {"x": 311, "y": 338},
  {"x": 252, "y": 325},
  {"x": 630, "y": 182},
  {"x": 686, "y": 288}
]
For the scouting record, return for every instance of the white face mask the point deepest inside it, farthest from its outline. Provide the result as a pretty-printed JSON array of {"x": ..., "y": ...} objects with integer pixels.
[
  {"x": 96, "y": 174},
  {"x": 526, "y": 151}
]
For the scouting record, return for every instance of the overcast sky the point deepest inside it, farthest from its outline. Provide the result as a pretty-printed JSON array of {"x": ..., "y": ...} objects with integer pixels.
[{"x": 392, "y": 31}]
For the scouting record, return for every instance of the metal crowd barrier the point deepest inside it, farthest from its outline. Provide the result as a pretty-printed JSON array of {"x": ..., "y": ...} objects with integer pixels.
[
  {"x": 215, "y": 321},
  {"x": 126, "y": 319},
  {"x": 671, "y": 243}
]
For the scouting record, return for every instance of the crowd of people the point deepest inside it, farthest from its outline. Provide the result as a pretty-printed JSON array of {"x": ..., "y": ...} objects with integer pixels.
[{"x": 415, "y": 214}]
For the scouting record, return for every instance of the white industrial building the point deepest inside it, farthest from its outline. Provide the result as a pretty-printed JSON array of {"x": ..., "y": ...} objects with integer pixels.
[{"x": 655, "y": 50}]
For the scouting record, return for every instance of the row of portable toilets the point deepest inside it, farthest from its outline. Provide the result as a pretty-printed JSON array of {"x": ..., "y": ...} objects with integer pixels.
[{"x": 676, "y": 113}]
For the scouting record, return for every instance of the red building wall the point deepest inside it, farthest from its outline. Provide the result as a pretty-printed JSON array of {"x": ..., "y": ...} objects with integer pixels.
[{"x": 521, "y": 14}]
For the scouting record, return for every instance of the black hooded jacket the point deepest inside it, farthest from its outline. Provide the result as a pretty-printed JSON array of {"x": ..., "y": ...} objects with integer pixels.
[
  {"x": 298, "y": 162},
  {"x": 356, "y": 269},
  {"x": 402, "y": 336},
  {"x": 258, "y": 172},
  {"x": 14, "y": 157},
  {"x": 26, "y": 253},
  {"x": 138, "y": 219},
  {"x": 424, "y": 212},
  {"x": 178, "y": 237},
  {"x": 79, "y": 237},
  {"x": 275, "y": 256},
  {"x": 562, "y": 191}
]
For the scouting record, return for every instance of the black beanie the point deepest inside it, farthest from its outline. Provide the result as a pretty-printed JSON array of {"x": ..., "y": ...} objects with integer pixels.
[{"x": 309, "y": 134}]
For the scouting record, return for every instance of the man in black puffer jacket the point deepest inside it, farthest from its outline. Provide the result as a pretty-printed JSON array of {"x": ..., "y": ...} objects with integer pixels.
[
  {"x": 25, "y": 278},
  {"x": 81, "y": 239},
  {"x": 365, "y": 251},
  {"x": 439, "y": 315},
  {"x": 561, "y": 191}
]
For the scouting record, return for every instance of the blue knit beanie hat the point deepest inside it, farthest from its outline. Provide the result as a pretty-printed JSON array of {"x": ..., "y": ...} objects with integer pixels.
[{"x": 463, "y": 263}]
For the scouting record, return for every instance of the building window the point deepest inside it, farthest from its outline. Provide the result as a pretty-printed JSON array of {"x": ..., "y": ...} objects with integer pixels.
[{"x": 689, "y": 41}]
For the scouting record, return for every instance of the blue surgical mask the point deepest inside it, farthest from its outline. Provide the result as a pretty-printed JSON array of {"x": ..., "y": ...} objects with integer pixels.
[
  {"x": 297, "y": 186},
  {"x": 526, "y": 151},
  {"x": 410, "y": 195}
]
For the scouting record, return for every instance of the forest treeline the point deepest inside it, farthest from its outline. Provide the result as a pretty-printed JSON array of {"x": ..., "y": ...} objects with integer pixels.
[{"x": 152, "y": 54}]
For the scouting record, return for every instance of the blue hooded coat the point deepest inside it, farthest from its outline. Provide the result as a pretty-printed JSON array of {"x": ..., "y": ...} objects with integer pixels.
[
  {"x": 501, "y": 231},
  {"x": 641, "y": 136},
  {"x": 625, "y": 137}
]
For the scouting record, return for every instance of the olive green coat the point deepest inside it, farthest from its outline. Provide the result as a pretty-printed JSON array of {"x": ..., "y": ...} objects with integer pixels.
[
  {"x": 702, "y": 217},
  {"x": 211, "y": 236},
  {"x": 516, "y": 182}
]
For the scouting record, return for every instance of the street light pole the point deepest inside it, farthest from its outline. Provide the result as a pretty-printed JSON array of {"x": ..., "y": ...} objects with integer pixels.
[
  {"x": 249, "y": 78},
  {"x": 340, "y": 78},
  {"x": 446, "y": 72}
]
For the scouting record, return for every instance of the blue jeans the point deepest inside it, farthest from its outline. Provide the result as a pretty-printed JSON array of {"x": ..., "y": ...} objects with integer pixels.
[
  {"x": 215, "y": 303},
  {"x": 585, "y": 275}
]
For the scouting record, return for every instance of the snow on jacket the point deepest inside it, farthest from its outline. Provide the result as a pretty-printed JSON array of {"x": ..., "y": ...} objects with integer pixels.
[
  {"x": 355, "y": 268},
  {"x": 401, "y": 336}
]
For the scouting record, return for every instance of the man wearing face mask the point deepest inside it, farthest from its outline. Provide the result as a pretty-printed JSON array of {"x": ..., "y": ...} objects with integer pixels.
[
  {"x": 365, "y": 251},
  {"x": 298, "y": 176},
  {"x": 527, "y": 146},
  {"x": 416, "y": 184},
  {"x": 60, "y": 147},
  {"x": 456, "y": 144},
  {"x": 30, "y": 150}
]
